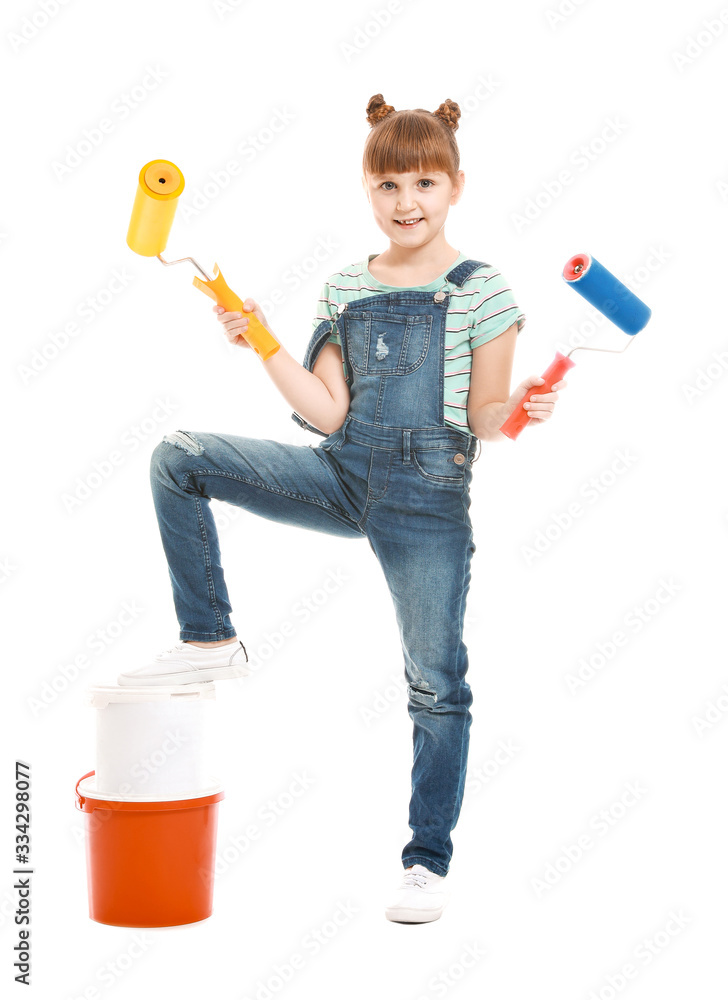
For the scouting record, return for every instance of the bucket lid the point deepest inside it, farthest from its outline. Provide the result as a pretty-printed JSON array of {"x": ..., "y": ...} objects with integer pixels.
[
  {"x": 86, "y": 790},
  {"x": 99, "y": 696}
]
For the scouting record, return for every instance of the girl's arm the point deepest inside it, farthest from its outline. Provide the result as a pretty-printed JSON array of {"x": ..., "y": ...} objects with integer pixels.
[
  {"x": 489, "y": 404},
  {"x": 320, "y": 396},
  {"x": 490, "y": 381}
]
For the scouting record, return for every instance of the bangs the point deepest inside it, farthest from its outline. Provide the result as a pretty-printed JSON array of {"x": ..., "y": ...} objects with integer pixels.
[{"x": 410, "y": 142}]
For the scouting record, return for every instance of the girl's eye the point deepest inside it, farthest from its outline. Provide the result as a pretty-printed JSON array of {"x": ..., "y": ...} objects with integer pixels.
[{"x": 424, "y": 181}]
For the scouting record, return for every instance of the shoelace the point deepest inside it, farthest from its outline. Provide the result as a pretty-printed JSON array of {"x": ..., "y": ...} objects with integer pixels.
[
  {"x": 173, "y": 649},
  {"x": 414, "y": 880},
  {"x": 180, "y": 647}
]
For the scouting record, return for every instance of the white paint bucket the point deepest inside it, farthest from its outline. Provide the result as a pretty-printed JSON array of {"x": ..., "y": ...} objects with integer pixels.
[{"x": 151, "y": 741}]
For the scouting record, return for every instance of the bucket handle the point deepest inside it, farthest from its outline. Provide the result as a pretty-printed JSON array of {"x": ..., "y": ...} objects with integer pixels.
[{"x": 80, "y": 799}]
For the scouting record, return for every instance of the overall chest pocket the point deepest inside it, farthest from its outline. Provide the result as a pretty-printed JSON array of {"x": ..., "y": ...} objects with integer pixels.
[{"x": 387, "y": 343}]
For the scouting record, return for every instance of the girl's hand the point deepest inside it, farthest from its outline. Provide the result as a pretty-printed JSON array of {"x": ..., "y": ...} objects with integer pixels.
[
  {"x": 235, "y": 324},
  {"x": 541, "y": 405}
]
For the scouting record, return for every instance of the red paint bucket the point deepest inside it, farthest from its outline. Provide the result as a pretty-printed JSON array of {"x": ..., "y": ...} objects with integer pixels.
[{"x": 149, "y": 863}]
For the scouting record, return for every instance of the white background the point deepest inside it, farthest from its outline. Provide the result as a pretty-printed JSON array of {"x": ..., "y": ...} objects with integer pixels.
[{"x": 647, "y": 199}]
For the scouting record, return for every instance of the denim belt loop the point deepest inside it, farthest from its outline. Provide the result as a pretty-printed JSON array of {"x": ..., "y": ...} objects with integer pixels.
[{"x": 406, "y": 447}]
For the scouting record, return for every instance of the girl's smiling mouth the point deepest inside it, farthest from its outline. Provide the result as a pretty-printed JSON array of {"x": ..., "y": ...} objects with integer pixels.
[{"x": 408, "y": 224}]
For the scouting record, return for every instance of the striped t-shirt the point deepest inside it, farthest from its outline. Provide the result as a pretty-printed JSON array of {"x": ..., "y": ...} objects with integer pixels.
[{"x": 479, "y": 310}]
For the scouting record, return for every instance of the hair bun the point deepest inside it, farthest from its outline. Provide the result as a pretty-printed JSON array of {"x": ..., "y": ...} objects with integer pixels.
[
  {"x": 449, "y": 112},
  {"x": 377, "y": 109}
]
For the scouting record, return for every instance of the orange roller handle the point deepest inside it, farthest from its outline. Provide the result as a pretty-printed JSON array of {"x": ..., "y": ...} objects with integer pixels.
[
  {"x": 261, "y": 340},
  {"x": 518, "y": 419}
]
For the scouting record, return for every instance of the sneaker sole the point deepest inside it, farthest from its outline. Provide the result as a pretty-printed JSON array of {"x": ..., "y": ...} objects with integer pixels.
[
  {"x": 404, "y": 916},
  {"x": 199, "y": 676}
]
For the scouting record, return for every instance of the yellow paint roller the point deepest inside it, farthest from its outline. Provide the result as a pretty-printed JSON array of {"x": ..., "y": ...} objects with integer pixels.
[{"x": 160, "y": 185}]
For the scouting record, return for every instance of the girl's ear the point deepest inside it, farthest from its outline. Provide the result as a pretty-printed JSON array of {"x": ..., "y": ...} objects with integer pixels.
[
  {"x": 457, "y": 194},
  {"x": 365, "y": 185}
]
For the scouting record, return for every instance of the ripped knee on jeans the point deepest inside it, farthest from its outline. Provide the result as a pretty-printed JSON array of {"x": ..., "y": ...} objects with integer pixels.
[
  {"x": 183, "y": 439},
  {"x": 422, "y": 694}
]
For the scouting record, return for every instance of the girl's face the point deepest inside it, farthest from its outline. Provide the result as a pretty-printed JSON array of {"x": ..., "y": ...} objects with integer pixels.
[{"x": 424, "y": 196}]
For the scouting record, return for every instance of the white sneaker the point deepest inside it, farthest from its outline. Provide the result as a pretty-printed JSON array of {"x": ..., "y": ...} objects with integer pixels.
[
  {"x": 421, "y": 896},
  {"x": 188, "y": 664}
]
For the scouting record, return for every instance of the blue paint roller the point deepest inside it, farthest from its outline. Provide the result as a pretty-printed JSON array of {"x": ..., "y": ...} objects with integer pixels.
[{"x": 607, "y": 294}]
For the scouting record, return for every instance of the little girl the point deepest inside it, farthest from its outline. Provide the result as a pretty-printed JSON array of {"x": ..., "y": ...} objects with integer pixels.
[{"x": 408, "y": 367}]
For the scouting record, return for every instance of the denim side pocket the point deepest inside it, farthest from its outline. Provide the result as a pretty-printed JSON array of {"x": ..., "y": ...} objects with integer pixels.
[
  {"x": 335, "y": 440},
  {"x": 445, "y": 466}
]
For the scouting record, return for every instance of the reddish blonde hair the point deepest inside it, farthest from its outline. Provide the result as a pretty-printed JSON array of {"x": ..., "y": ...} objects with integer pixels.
[{"x": 411, "y": 141}]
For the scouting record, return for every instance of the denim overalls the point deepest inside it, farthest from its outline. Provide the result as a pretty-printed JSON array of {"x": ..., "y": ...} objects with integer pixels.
[{"x": 394, "y": 473}]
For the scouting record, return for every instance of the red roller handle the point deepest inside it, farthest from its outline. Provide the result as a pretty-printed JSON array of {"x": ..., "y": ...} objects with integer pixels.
[{"x": 519, "y": 418}]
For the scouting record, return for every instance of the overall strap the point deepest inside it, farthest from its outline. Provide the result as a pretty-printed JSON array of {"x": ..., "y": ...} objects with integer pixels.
[{"x": 462, "y": 272}]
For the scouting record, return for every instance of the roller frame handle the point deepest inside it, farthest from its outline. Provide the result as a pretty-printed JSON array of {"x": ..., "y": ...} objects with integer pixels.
[
  {"x": 518, "y": 419},
  {"x": 261, "y": 340}
]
